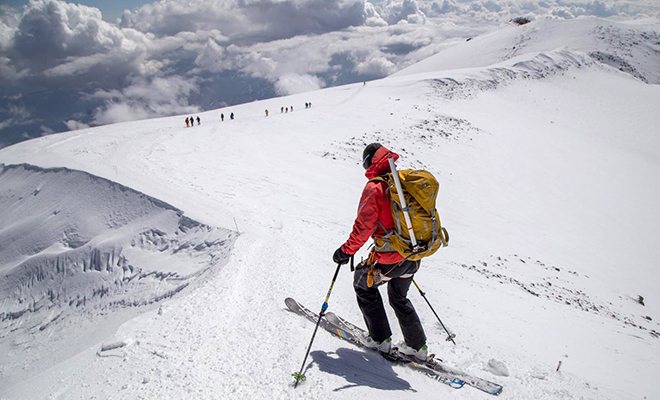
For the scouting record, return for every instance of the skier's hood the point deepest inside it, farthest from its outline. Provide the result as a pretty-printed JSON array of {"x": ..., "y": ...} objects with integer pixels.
[{"x": 380, "y": 165}]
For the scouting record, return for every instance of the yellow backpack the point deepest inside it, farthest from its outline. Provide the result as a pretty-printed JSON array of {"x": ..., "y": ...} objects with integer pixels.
[{"x": 420, "y": 190}]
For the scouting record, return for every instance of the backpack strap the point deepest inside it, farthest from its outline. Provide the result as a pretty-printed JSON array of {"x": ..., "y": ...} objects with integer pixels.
[
  {"x": 382, "y": 178},
  {"x": 378, "y": 179},
  {"x": 387, "y": 233},
  {"x": 385, "y": 248}
]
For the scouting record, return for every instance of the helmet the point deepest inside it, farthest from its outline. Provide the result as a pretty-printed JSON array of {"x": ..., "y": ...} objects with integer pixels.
[{"x": 368, "y": 154}]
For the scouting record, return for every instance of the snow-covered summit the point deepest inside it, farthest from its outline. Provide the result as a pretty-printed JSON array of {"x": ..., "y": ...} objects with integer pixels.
[
  {"x": 549, "y": 192},
  {"x": 632, "y": 47}
]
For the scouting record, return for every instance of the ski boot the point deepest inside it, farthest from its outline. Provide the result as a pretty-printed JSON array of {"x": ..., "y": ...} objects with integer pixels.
[
  {"x": 422, "y": 354},
  {"x": 384, "y": 347}
]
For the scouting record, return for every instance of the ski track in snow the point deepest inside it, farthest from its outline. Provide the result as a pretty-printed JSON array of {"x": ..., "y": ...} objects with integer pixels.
[{"x": 534, "y": 274}]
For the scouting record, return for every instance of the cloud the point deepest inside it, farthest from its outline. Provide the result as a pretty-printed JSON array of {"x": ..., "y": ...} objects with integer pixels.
[
  {"x": 211, "y": 57},
  {"x": 15, "y": 115},
  {"x": 63, "y": 40},
  {"x": 445, "y": 7},
  {"x": 51, "y": 32},
  {"x": 376, "y": 66},
  {"x": 145, "y": 98},
  {"x": 8, "y": 72},
  {"x": 361, "y": 52},
  {"x": 74, "y": 125},
  {"x": 406, "y": 11},
  {"x": 45, "y": 130},
  {"x": 248, "y": 22},
  {"x": 121, "y": 112},
  {"x": 491, "y": 9},
  {"x": 372, "y": 16},
  {"x": 18, "y": 111},
  {"x": 563, "y": 13},
  {"x": 9, "y": 20},
  {"x": 293, "y": 83}
]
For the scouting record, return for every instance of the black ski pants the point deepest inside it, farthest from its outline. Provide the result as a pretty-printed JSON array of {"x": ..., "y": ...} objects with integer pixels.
[{"x": 373, "y": 311}]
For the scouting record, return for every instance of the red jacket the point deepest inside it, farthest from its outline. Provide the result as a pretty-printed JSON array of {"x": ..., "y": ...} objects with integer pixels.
[{"x": 374, "y": 206}]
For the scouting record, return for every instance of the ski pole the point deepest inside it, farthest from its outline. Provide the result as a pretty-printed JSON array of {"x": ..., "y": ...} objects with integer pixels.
[
  {"x": 450, "y": 336},
  {"x": 299, "y": 375}
]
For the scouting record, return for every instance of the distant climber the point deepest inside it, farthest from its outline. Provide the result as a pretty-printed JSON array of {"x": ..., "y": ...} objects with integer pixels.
[{"x": 199, "y": 121}]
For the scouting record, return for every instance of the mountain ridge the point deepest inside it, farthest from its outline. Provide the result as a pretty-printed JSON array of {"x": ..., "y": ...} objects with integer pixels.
[{"x": 547, "y": 163}]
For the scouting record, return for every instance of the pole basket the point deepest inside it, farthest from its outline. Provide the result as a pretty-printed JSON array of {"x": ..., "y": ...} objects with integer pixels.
[{"x": 298, "y": 377}]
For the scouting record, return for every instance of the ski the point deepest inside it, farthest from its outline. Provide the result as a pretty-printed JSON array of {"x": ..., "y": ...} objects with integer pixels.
[
  {"x": 435, "y": 365},
  {"x": 394, "y": 357}
]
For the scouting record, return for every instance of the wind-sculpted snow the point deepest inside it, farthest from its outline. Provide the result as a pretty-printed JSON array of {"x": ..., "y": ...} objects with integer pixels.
[
  {"x": 534, "y": 66},
  {"x": 632, "y": 47},
  {"x": 71, "y": 241}
]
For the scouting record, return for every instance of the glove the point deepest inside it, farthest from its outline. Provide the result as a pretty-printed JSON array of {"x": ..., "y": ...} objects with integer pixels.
[{"x": 340, "y": 257}]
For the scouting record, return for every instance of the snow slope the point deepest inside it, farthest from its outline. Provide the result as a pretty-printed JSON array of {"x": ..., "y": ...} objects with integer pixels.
[
  {"x": 631, "y": 46},
  {"x": 549, "y": 164},
  {"x": 86, "y": 244}
]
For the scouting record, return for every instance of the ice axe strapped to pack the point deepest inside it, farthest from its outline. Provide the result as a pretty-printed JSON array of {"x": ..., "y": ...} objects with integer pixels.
[{"x": 417, "y": 232}]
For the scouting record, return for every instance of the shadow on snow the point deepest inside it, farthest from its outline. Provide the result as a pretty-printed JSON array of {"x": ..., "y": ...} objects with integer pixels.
[{"x": 360, "y": 369}]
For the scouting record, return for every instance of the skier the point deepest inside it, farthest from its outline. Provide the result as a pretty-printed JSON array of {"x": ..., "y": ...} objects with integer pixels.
[
  {"x": 199, "y": 121},
  {"x": 291, "y": 108},
  {"x": 266, "y": 112},
  {"x": 282, "y": 109},
  {"x": 187, "y": 125},
  {"x": 374, "y": 219},
  {"x": 231, "y": 116},
  {"x": 222, "y": 117}
]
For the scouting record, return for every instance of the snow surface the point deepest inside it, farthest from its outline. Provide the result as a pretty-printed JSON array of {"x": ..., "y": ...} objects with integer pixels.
[
  {"x": 549, "y": 162},
  {"x": 632, "y": 46}
]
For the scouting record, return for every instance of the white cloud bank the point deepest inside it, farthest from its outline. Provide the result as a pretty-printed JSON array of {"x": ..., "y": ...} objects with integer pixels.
[
  {"x": 165, "y": 58},
  {"x": 292, "y": 83}
]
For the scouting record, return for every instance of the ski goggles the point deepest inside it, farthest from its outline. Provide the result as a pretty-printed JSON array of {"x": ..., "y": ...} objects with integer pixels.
[{"x": 366, "y": 163}]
